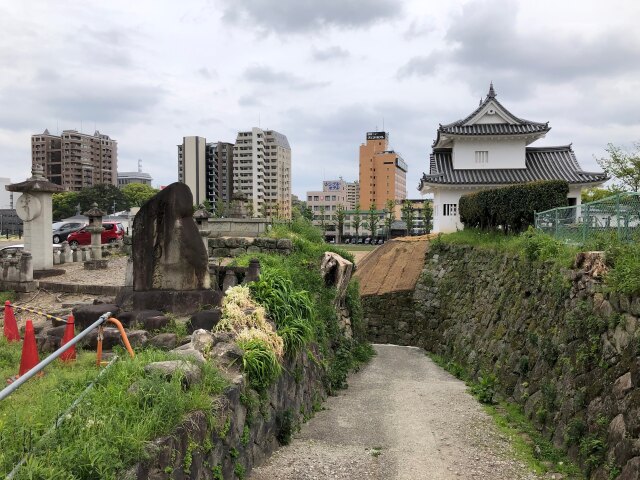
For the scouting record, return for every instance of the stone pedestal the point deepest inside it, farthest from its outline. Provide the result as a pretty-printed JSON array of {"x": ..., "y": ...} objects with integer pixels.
[{"x": 34, "y": 209}]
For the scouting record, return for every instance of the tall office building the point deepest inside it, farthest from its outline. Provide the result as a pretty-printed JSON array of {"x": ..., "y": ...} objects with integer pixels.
[
  {"x": 262, "y": 171},
  {"x": 76, "y": 160},
  {"x": 206, "y": 168},
  {"x": 383, "y": 173}
]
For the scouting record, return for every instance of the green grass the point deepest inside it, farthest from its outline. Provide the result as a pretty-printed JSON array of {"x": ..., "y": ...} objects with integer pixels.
[
  {"x": 108, "y": 431},
  {"x": 4, "y": 296}
]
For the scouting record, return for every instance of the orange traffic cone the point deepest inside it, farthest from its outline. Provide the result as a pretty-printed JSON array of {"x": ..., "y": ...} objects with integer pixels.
[
  {"x": 69, "y": 333},
  {"x": 10, "y": 326},
  {"x": 29, "y": 357}
]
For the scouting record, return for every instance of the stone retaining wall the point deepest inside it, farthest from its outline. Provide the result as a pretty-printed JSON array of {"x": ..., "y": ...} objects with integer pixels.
[
  {"x": 557, "y": 342},
  {"x": 236, "y": 246},
  {"x": 243, "y": 433}
]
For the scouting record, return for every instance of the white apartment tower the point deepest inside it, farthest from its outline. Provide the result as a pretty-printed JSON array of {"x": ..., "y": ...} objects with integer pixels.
[{"x": 262, "y": 171}]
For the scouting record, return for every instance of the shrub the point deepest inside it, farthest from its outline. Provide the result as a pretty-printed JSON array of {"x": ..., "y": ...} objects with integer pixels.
[
  {"x": 485, "y": 389},
  {"x": 260, "y": 363},
  {"x": 624, "y": 274},
  {"x": 511, "y": 208}
]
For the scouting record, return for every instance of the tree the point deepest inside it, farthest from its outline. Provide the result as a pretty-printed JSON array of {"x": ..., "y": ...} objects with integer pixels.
[
  {"x": 340, "y": 216},
  {"x": 323, "y": 225},
  {"x": 594, "y": 194},
  {"x": 427, "y": 215},
  {"x": 138, "y": 193},
  {"x": 64, "y": 205},
  {"x": 623, "y": 165},
  {"x": 389, "y": 217},
  {"x": 108, "y": 197},
  {"x": 219, "y": 209},
  {"x": 357, "y": 219},
  {"x": 374, "y": 219},
  {"x": 407, "y": 215}
]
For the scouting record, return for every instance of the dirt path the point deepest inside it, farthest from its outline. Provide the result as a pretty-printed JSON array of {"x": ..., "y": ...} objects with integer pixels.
[{"x": 403, "y": 418}]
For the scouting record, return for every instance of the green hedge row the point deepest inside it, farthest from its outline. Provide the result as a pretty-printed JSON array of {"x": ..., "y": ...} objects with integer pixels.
[{"x": 511, "y": 208}]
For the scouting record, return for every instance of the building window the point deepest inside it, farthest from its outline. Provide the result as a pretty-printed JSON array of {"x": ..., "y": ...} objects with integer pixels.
[
  {"x": 482, "y": 156},
  {"x": 450, "y": 209}
]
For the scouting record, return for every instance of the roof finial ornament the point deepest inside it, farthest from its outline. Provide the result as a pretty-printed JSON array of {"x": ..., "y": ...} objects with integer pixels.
[
  {"x": 480, "y": 104},
  {"x": 492, "y": 92}
]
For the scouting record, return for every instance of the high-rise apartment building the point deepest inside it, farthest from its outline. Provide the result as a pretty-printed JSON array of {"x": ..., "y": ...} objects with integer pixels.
[
  {"x": 353, "y": 194},
  {"x": 383, "y": 173},
  {"x": 76, "y": 160},
  {"x": 207, "y": 169},
  {"x": 262, "y": 171}
]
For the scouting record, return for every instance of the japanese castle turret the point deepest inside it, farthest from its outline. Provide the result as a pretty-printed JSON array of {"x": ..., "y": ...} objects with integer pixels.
[{"x": 490, "y": 148}]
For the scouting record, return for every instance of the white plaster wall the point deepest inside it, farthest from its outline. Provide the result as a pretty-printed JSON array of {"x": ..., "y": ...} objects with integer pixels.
[
  {"x": 442, "y": 224},
  {"x": 502, "y": 153}
]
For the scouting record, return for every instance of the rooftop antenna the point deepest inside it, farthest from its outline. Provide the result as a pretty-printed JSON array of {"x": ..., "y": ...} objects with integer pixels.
[
  {"x": 383, "y": 124},
  {"x": 57, "y": 128},
  {"x": 139, "y": 165}
]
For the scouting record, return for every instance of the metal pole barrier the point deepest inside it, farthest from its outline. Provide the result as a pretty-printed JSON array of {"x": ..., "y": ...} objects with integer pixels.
[{"x": 40, "y": 366}]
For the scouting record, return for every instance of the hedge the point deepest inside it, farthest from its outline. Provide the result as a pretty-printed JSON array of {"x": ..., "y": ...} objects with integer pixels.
[{"x": 512, "y": 208}]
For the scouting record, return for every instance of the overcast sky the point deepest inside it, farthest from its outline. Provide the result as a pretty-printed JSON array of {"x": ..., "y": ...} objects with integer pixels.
[{"x": 321, "y": 72}]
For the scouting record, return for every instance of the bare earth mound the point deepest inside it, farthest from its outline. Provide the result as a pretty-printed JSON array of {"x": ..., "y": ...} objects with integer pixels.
[{"x": 394, "y": 266}]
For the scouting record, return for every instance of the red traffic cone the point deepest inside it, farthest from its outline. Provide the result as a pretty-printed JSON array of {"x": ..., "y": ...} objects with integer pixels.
[
  {"x": 69, "y": 333},
  {"x": 29, "y": 357},
  {"x": 10, "y": 326}
]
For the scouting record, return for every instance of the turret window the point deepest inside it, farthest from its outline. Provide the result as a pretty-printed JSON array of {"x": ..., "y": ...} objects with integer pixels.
[{"x": 482, "y": 156}]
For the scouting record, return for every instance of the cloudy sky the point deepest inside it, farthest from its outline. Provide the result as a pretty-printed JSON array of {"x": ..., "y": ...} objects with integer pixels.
[{"x": 323, "y": 73}]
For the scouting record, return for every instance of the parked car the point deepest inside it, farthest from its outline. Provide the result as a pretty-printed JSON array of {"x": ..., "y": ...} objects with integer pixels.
[
  {"x": 347, "y": 241},
  {"x": 380, "y": 241},
  {"x": 360, "y": 240},
  {"x": 367, "y": 240},
  {"x": 113, "y": 231},
  {"x": 61, "y": 230}
]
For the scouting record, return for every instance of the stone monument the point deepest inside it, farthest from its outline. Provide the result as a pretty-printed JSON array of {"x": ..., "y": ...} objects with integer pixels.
[
  {"x": 34, "y": 209},
  {"x": 170, "y": 267}
]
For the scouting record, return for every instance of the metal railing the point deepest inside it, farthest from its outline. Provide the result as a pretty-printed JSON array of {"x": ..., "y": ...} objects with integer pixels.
[
  {"x": 104, "y": 318},
  {"x": 612, "y": 218}
]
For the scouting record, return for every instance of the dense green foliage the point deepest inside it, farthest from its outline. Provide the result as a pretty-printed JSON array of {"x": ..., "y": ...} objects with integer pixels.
[
  {"x": 624, "y": 268},
  {"x": 138, "y": 193},
  {"x": 623, "y": 165},
  {"x": 108, "y": 430},
  {"x": 298, "y": 301},
  {"x": 511, "y": 208},
  {"x": 260, "y": 363},
  {"x": 107, "y": 196}
]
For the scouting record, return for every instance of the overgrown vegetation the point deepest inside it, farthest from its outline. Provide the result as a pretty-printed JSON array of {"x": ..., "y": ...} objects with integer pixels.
[
  {"x": 108, "y": 430},
  {"x": 4, "y": 296},
  {"x": 622, "y": 258},
  {"x": 296, "y": 298}
]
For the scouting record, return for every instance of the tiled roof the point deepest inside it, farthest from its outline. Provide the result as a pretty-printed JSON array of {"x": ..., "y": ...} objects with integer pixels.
[
  {"x": 546, "y": 163},
  {"x": 519, "y": 126},
  {"x": 494, "y": 129}
]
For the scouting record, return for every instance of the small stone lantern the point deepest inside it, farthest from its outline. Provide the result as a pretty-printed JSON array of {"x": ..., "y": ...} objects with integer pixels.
[
  {"x": 95, "y": 228},
  {"x": 201, "y": 216}
]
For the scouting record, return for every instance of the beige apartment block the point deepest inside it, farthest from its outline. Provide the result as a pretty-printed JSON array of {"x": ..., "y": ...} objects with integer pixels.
[
  {"x": 206, "y": 167},
  {"x": 383, "y": 172},
  {"x": 76, "y": 160},
  {"x": 262, "y": 171}
]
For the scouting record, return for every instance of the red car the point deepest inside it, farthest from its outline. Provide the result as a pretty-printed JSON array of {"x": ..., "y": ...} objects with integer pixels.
[{"x": 112, "y": 232}]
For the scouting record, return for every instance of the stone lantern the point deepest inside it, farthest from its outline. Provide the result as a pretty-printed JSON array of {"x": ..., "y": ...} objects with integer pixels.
[
  {"x": 34, "y": 208},
  {"x": 95, "y": 228},
  {"x": 201, "y": 216}
]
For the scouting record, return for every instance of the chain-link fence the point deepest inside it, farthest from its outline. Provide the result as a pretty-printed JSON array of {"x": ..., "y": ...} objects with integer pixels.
[{"x": 615, "y": 217}]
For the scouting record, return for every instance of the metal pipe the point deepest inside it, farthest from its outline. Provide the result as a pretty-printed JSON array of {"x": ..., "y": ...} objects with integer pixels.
[{"x": 40, "y": 366}]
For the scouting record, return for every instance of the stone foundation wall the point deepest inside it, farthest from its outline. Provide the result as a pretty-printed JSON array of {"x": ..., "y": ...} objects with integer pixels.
[
  {"x": 557, "y": 342},
  {"x": 242, "y": 435},
  {"x": 236, "y": 246}
]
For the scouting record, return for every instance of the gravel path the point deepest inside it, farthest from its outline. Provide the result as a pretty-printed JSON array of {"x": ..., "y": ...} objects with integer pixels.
[{"x": 403, "y": 418}]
